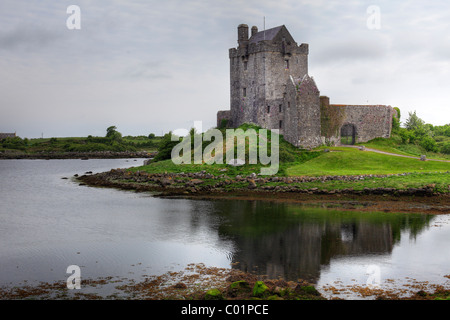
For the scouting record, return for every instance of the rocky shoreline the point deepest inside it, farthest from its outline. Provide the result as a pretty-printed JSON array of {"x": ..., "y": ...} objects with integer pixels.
[
  {"x": 79, "y": 155},
  {"x": 202, "y": 185}
]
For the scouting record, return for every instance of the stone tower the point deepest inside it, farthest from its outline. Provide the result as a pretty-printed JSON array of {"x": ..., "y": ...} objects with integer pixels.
[
  {"x": 270, "y": 87},
  {"x": 259, "y": 69}
]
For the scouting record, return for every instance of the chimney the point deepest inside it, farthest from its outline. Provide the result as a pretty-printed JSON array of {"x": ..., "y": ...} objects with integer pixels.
[
  {"x": 254, "y": 30},
  {"x": 242, "y": 34}
]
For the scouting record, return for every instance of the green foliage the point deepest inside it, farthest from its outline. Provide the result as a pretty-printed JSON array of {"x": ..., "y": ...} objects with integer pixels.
[
  {"x": 445, "y": 148},
  {"x": 418, "y": 137},
  {"x": 260, "y": 289},
  {"x": 16, "y": 143},
  {"x": 395, "y": 125},
  {"x": 414, "y": 122},
  {"x": 429, "y": 144},
  {"x": 214, "y": 294},
  {"x": 399, "y": 115},
  {"x": 223, "y": 124},
  {"x": 165, "y": 148}
]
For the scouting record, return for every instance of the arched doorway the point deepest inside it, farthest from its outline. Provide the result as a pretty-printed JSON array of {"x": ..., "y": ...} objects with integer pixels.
[{"x": 348, "y": 134}]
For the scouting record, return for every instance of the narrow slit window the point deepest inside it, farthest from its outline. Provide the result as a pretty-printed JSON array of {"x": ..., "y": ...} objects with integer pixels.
[
  {"x": 245, "y": 65},
  {"x": 281, "y": 124},
  {"x": 244, "y": 92},
  {"x": 280, "y": 108},
  {"x": 286, "y": 64},
  {"x": 268, "y": 109}
]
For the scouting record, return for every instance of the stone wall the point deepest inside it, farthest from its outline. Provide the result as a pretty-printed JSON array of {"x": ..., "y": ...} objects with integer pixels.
[
  {"x": 370, "y": 121},
  {"x": 224, "y": 115},
  {"x": 302, "y": 113}
]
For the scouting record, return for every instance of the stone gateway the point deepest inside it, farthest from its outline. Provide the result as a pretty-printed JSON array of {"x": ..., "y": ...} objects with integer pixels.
[{"x": 270, "y": 87}]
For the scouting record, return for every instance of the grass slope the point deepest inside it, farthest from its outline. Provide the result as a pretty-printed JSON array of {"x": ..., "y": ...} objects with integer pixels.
[{"x": 348, "y": 161}]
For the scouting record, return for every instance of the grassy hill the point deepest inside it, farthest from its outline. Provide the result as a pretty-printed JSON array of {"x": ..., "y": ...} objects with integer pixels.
[{"x": 350, "y": 161}]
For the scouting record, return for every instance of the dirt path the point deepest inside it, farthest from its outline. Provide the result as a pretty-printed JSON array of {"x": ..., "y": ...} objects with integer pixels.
[{"x": 393, "y": 154}]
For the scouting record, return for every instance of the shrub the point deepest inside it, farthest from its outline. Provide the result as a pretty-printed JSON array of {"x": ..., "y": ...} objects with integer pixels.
[
  {"x": 445, "y": 148},
  {"x": 429, "y": 144}
]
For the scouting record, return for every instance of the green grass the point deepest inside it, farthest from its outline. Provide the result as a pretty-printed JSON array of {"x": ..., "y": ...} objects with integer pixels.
[
  {"x": 394, "y": 145},
  {"x": 438, "y": 181},
  {"x": 351, "y": 161}
]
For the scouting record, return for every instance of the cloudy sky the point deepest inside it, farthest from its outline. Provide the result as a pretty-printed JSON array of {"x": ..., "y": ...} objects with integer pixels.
[{"x": 155, "y": 66}]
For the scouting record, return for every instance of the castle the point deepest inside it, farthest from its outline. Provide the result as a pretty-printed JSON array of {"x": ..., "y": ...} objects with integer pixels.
[{"x": 270, "y": 87}]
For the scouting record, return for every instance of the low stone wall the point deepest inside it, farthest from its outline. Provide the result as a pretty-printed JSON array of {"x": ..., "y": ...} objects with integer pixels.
[{"x": 368, "y": 121}]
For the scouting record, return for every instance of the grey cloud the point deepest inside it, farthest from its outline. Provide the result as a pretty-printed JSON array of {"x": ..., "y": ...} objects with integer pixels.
[
  {"x": 350, "y": 51},
  {"x": 28, "y": 38}
]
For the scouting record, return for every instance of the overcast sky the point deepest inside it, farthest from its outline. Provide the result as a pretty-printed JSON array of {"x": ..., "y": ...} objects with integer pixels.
[{"x": 156, "y": 66}]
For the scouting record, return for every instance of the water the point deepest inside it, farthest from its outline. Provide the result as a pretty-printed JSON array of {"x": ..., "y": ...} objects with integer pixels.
[{"x": 48, "y": 223}]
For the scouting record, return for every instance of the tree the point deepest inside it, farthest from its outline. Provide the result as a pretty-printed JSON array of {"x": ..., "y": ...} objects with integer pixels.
[
  {"x": 113, "y": 134},
  {"x": 414, "y": 122},
  {"x": 151, "y": 136}
]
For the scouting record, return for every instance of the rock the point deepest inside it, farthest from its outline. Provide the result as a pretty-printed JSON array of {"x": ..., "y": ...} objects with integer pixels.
[
  {"x": 214, "y": 294},
  {"x": 180, "y": 285},
  {"x": 196, "y": 181},
  {"x": 165, "y": 182},
  {"x": 252, "y": 184},
  {"x": 260, "y": 289},
  {"x": 423, "y": 158},
  {"x": 306, "y": 290},
  {"x": 326, "y": 150},
  {"x": 362, "y": 148},
  {"x": 239, "y": 287}
]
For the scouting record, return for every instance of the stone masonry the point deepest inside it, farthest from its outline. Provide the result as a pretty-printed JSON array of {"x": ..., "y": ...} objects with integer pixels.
[{"x": 270, "y": 87}]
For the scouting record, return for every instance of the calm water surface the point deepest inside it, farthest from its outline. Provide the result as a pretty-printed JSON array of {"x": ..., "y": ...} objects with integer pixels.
[{"x": 48, "y": 223}]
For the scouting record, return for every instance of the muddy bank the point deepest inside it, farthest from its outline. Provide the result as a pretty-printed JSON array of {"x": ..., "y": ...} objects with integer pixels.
[
  {"x": 78, "y": 155},
  {"x": 202, "y": 185}
]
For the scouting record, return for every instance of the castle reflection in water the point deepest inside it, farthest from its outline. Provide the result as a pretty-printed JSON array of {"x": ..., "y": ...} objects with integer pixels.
[{"x": 295, "y": 242}]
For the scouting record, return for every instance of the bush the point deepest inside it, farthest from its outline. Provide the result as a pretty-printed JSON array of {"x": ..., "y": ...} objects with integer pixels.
[
  {"x": 429, "y": 144},
  {"x": 165, "y": 148},
  {"x": 445, "y": 148}
]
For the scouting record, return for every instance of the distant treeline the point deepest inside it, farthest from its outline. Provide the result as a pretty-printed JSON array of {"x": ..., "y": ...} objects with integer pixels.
[{"x": 113, "y": 141}]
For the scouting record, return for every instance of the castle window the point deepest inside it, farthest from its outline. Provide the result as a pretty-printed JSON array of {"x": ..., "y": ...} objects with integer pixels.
[
  {"x": 245, "y": 65},
  {"x": 289, "y": 104},
  {"x": 281, "y": 124},
  {"x": 286, "y": 66},
  {"x": 268, "y": 109},
  {"x": 244, "y": 92},
  {"x": 280, "y": 108}
]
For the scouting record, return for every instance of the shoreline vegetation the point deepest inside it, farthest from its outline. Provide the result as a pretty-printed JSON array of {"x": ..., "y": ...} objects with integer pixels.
[
  {"x": 200, "y": 282},
  {"x": 78, "y": 155}
]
